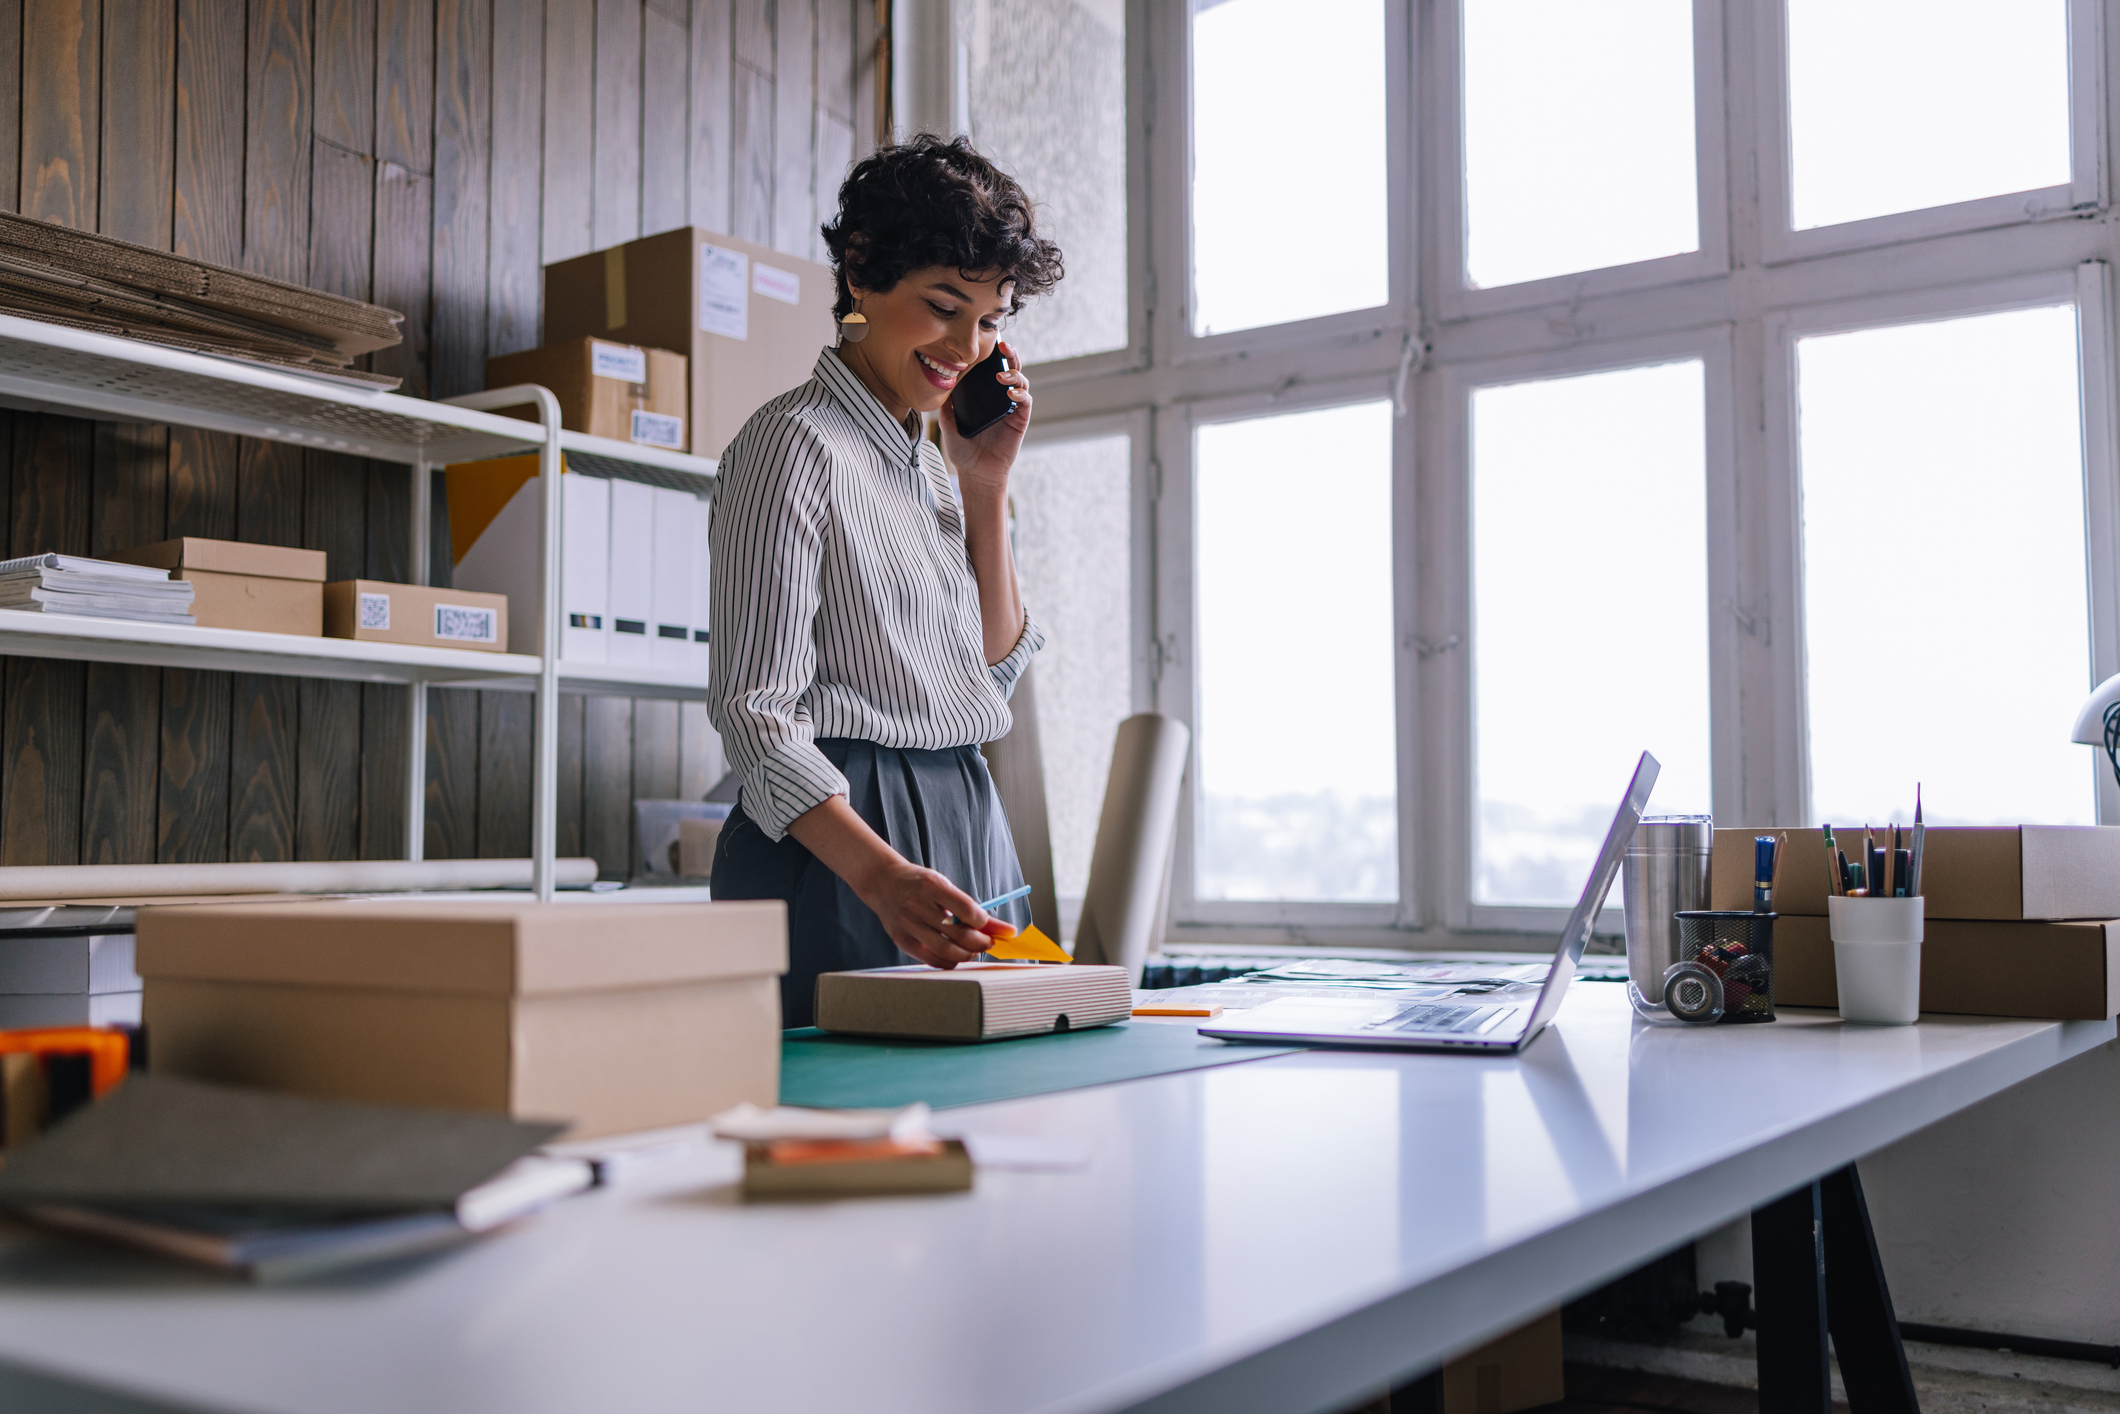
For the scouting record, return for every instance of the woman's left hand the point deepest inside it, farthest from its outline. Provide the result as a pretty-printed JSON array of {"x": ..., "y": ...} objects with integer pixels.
[{"x": 983, "y": 462}]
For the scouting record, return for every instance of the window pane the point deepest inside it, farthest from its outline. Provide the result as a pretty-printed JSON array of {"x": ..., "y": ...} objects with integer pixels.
[
  {"x": 1297, "y": 748},
  {"x": 1896, "y": 105},
  {"x": 1928, "y": 451},
  {"x": 1590, "y": 616},
  {"x": 1047, "y": 81},
  {"x": 1073, "y": 552},
  {"x": 1578, "y": 136},
  {"x": 1289, "y": 186}
]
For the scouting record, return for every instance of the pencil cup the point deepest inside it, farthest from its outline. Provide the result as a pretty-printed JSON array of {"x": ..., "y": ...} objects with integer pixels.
[
  {"x": 1726, "y": 967},
  {"x": 1877, "y": 954}
]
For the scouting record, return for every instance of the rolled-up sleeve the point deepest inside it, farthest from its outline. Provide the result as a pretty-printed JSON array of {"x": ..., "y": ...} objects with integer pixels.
[
  {"x": 1010, "y": 669},
  {"x": 766, "y": 551}
]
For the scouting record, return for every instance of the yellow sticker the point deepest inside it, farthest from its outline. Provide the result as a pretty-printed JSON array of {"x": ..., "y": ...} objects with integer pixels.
[{"x": 1030, "y": 945}]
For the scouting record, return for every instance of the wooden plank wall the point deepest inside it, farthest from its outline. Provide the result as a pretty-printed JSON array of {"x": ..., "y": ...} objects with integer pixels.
[{"x": 430, "y": 155}]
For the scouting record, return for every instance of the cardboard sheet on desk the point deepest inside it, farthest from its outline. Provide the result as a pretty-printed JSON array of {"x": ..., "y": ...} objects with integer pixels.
[{"x": 854, "y": 1072}]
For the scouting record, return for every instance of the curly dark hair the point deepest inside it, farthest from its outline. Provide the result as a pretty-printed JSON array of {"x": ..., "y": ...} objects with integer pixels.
[{"x": 929, "y": 202}]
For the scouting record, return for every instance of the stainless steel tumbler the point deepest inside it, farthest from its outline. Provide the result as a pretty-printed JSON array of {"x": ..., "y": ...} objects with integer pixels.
[{"x": 1665, "y": 871}]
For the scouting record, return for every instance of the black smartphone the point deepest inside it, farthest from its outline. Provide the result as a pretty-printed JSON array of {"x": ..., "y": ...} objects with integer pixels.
[{"x": 980, "y": 400}]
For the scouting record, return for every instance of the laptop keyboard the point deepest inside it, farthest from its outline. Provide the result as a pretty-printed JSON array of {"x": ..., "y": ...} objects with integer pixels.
[{"x": 1439, "y": 1016}]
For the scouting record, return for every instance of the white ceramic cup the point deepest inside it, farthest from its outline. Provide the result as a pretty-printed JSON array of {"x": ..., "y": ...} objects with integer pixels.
[{"x": 1877, "y": 954}]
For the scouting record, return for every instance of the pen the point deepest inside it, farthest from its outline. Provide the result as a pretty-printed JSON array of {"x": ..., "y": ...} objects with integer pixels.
[
  {"x": 1914, "y": 866},
  {"x": 1762, "y": 873},
  {"x": 1010, "y": 897},
  {"x": 1833, "y": 878}
]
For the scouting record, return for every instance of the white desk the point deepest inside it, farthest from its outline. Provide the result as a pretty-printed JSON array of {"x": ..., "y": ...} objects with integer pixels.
[{"x": 1275, "y": 1236}]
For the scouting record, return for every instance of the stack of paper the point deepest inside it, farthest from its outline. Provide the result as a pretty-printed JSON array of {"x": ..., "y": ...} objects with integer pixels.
[
  {"x": 87, "y": 281},
  {"x": 277, "y": 1185},
  {"x": 102, "y": 589}
]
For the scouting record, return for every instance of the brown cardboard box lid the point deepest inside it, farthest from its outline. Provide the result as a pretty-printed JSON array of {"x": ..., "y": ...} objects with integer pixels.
[
  {"x": 228, "y": 557},
  {"x": 499, "y": 948},
  {"x": 2048, "y": 872}
]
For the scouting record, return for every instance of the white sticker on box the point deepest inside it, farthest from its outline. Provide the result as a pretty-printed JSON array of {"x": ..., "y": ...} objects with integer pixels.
[
  {"x": 375, "y": 611},
  {"x": 466, "y": 624},
  {"x": 658, "y": 429},
  {"x": 783, "y": 285},
  {"x": 724, "y": 293},
  {"x": 618, "y": 361}
]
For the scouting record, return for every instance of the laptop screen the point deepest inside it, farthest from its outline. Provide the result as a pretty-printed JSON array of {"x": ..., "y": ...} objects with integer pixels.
[{"x": 1576, "y": 935}]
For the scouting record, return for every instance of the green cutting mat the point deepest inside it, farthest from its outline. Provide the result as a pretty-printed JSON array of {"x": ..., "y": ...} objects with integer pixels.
[{"x": 854, "y": 1072}]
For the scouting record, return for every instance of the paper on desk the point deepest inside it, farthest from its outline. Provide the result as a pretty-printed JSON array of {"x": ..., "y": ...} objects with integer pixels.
[
  {"x": 1030, "y": 945},
  {"x": 752, "y": 1125}
]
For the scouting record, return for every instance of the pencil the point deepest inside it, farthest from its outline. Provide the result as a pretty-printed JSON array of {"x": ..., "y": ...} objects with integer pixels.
[
  {"x": 1914, "y": 860},
  {"x": 1833, "y": 885},
  {"x": 1781, "y": 847}
]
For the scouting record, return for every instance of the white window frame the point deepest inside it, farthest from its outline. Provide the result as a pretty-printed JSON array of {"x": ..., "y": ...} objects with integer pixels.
[
  {"x": 2085, "y": 190},
  {"x": 1731, "y": 304},
  {"x": 1458, "y": 298},
  {"x": 2086, "y": 288},
  {"x": 1448, "y": 450},
  {"x": 1177, "y": 685}
]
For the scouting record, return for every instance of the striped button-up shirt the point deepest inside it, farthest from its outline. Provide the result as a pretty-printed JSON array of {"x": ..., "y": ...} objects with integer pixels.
[{"x": 843, "y": 598}]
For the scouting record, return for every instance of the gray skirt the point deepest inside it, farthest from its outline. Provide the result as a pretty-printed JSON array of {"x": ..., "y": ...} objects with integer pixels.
[{"x": 937, "y": 808}]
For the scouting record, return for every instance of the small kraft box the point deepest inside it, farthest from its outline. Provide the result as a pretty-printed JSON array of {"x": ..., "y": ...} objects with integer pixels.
[
  {"x": 375, "y": 612},
  {"x": 2005, "y": 872},
  {"x": 264, "y": 588},
  {"x": 975, "y": 1002},
  {"x": 2058, "y": 971},
  {"x": 749, "y": 320},
  {"x": 616, "y": 1017},
  {"x": 622, "y": 391}
]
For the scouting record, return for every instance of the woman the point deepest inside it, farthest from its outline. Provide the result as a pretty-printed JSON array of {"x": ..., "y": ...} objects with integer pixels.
[{"x": 867, "y": 625}]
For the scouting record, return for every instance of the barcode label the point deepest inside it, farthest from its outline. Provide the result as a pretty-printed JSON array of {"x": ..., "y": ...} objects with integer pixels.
[
  {"x": 466, "y": 624},
  {"x": 618, "y": 361},
  {"x": 658, "y": 429},
  {"x": 375, "y": 611}
]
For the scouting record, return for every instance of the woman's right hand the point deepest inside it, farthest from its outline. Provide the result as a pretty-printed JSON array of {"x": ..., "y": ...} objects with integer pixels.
[{"x": 926, "y": 915}]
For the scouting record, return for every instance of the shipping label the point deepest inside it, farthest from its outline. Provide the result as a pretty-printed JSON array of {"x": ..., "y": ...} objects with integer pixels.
[
  {"x": 466, "y": 624},
  {"x": 375, "y": 611},
  {"x": 618, "y": 361},
  {"x": 724, "y": 292},
  {"x": 659, "y": 430},
  {"x": 783, "y": 285}
]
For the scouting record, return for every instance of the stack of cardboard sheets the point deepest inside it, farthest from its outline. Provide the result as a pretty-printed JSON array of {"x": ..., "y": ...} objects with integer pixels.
[{"x": 86, "y": 281}]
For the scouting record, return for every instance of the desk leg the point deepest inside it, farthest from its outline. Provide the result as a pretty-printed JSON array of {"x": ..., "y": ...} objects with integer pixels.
[
  {"x": 1789, "y": 1294},
  {"x": 1873, "y": 1363},
  {"x": 1815, "y": 1268}
]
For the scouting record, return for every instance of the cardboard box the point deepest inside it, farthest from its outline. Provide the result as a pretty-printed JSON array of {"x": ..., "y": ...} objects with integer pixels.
[
  {"x": 616, "y": 1017},
  {"x": 375, "y": 612},
  {"x": 1522, "y": 1370},
  {"x": 1974, "y": 967},
  {"x": 265, "y": 588},
  {"x": 750, "y": 320},
  {"x": 622, "y": 391},
  {"x": 976, "y": 1002},
  {"x": 493, "y": 531},
  {"x": 1991, "y": 872}
]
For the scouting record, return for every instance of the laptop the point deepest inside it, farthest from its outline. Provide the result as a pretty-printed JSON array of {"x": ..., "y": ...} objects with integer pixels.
[{"x": 1452, "y": 1024}]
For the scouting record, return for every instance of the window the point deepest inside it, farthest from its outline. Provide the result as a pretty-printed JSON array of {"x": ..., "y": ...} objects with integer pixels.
[
  {"x": 1287, "y": 98},
  {"x": 1590, "y": 616},
  {"x": 1536, "y": 382},
  {"x": 1295, "y": 742},
  {"x": 1047, "y": 100},
  {"x": 1566, "y": 169},
  {"x": 1073, "y": 504},
  {"x": 1945, "y": 599},
  {"x": 1897, "y": 105}
]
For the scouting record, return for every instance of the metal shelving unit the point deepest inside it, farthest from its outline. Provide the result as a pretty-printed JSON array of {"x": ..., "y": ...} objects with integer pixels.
[{"x": 51, "y": 368}]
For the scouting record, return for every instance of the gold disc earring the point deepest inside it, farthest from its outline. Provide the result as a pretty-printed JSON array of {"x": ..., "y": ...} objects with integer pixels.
[{"x": 854, "y": 328}]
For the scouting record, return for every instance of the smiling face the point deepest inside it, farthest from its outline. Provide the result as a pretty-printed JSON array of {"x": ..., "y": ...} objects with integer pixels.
[{"x": 925, "y": 332}]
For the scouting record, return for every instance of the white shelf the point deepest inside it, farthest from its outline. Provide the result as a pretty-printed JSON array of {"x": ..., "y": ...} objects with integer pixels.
[
  {"x": 612, "y": 680},
  {"x": 51, "y": 368},
  {"x": 630, "y": 461},
  {"x": 37, "y": 635}
]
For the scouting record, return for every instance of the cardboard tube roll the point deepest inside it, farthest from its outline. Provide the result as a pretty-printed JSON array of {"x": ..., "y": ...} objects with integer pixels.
[
  {"x": 322, "y": 877},
  {"x": 1122, "y": 909}
]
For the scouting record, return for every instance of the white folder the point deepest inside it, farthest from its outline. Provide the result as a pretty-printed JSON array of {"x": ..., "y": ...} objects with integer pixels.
[
  {"x": 673, "y": 579},
  {"x": 632, "y": 573},
  {"x": 702, "y": 616},
  {"x": 585, "y": 568}
]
